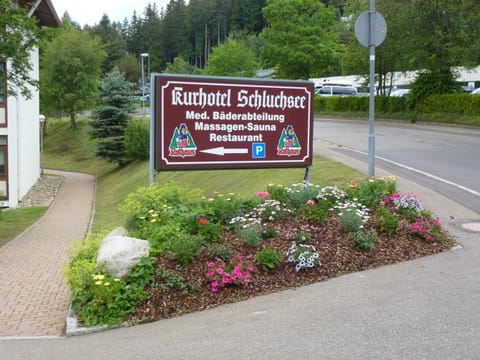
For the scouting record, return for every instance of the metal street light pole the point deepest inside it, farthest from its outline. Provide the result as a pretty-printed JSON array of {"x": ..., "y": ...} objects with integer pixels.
[
  {"x": 42, "y": 127},
  {"x": 143, "y": 55}
]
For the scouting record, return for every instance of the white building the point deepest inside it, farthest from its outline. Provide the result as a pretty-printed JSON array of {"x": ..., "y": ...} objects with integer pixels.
[{"x": 19, "y": 122}]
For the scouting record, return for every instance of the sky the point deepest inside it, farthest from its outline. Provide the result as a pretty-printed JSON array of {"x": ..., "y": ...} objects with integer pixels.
[{"x": 90, "y": 12}]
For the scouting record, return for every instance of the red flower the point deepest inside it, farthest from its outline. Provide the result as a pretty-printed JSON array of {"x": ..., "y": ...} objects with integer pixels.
[{"x": 202, "y": 221}]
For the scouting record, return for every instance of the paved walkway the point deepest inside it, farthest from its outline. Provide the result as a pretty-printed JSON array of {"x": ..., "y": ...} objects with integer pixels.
[{"x": 34, "y": 297}]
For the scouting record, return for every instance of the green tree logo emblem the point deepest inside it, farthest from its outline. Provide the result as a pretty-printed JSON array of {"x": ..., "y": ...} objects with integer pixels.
[{"x": 182, "y": 143}]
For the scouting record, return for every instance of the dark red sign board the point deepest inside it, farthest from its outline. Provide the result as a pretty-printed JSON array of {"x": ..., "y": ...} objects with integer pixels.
[{"x": 216, "y": 123}]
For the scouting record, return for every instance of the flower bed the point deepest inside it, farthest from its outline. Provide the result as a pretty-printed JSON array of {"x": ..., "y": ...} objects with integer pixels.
[{"x": 221, "y": 249}]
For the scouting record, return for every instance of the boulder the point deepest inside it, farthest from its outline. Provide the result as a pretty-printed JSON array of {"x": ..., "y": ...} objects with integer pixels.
[
  {"x": 120, "y": 253},
  {"x": 118, "y": 231}
]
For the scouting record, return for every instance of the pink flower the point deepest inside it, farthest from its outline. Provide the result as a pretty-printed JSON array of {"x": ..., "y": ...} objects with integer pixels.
[
  {"x": 263, "y": 194},
  {"x": 310, "y": 202},
  {"x": 236, "y": 271}
]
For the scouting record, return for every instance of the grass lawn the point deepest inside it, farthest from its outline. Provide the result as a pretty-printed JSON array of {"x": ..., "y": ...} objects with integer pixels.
[{"x": 13, "y": 222}]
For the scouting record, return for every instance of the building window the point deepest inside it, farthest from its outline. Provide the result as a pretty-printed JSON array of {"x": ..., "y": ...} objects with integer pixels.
[{"x": 3, "y": 168}]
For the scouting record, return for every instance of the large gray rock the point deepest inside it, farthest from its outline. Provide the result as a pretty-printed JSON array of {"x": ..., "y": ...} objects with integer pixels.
[
  {"x": 120, "y": 253},
  {"x": 118, "y": 231}
]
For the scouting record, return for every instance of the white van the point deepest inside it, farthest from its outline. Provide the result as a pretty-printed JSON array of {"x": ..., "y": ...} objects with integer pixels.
[{"x": 336, "y": 90}]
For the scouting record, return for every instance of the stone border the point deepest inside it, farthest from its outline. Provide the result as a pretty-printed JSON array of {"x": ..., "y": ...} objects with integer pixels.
[{"x": 43, "y": 192}]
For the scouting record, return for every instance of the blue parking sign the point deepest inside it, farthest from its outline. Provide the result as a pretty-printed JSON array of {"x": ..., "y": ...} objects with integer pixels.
[{"x": 258, "y": 150}]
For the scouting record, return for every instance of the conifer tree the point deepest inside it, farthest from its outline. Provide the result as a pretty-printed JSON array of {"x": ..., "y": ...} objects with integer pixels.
[{"x": 111, "y": 117}]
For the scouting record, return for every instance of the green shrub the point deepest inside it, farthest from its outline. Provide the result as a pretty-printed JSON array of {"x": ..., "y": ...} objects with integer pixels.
[
  {"x": 302, "y": 237},
  {"x": 137, "y": 139},
  {"x": 364, "y": 241},
  {"x": 210, "y": 232},
  {"x": 277, "y": 192},
  {"x": 370, "y": 192},
  {"x": 299, "y": 194},
  {"x": 429, "y": 83},
  {"x": 387, "y": 222},
  {"x": 223, "y": 208},
  {"x": 351, "y": 221},
  {"x": 317, "y": 212},
  {"x": 464, "y": 104},
  {"x": 171, "y": 279},
  {"x": 269, "y": 233},
  {"x": 223, "y": 252},
  {"x": 151, "y": 208},
  {"x": 203, "y": 225},
  {"x": 269, "y": 258},
  {"x": 251, "y": 234},
  {"x": 184, "y": 248}
]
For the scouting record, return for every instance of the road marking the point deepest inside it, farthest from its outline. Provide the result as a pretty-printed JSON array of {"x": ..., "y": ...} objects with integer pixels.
[{"x": 458, "y": 186}]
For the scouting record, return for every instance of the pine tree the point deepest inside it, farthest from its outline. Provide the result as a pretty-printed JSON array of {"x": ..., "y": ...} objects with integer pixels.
[{"x": 111, "y": 117}]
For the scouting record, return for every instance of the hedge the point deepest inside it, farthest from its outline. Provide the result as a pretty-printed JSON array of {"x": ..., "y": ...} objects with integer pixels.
[{"x": 464, "y": 104}]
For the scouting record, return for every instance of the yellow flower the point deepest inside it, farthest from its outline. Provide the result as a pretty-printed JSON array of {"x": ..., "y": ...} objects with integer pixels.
[
  {"x": 231, "y": 194},
  {"x": 98, "y": 277},
  {"x": 153, "y": 220},
  {"x": 221, "y": 195},
  {"x": 165, "y": 205},
  {"x": 99, "y": 282},
  {"x": 155, "y": 215},
  {"x": 228, "y": 199},
  {"x": 142, "y": 217},
  {"x": 116, "y": 280},
  {"x": 271, "y": 184},
  {"x": 211, "y": 199},
  {"x": 107, "y": 284},
  {"x": 151, "y": 211}
]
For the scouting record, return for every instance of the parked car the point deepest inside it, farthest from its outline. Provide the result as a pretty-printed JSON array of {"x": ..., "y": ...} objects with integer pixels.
[
  {"x": 399, "y": 92},
  {"x": 336, "y": 90},
  {"x": 144, "y": 98},
  {"x": 476, "y": 91}
]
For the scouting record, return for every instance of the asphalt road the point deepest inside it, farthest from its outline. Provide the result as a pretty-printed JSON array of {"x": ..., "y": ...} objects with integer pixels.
[{"x": 443, "y": 158}]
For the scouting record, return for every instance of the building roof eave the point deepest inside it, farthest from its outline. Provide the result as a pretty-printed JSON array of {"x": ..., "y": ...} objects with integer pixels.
[{"x": 44, "y": 12}]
